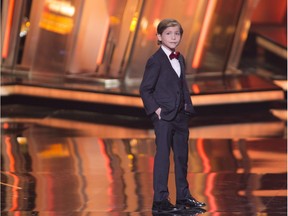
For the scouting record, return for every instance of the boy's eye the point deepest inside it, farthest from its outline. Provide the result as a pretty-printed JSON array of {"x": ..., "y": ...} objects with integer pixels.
[{"x": 176, "y": 33}]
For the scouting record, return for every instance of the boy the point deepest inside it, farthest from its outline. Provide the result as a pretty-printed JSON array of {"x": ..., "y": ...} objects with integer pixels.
[{"x": 167, "y": 102}]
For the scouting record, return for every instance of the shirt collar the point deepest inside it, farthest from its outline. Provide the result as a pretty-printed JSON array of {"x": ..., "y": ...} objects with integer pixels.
[{"x": 166, "y": 50}]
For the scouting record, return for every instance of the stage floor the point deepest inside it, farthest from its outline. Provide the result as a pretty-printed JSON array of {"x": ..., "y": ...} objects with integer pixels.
[
  {"x": 205, "y": 90},
  {"x": 65, "y": 162}
]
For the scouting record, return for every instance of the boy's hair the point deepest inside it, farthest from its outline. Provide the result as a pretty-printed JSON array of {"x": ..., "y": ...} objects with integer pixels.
[{"x": 165, "y": 23}]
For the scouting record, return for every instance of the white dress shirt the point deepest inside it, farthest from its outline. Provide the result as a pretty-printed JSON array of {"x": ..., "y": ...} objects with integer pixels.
[{"x": 174, "y": 62}]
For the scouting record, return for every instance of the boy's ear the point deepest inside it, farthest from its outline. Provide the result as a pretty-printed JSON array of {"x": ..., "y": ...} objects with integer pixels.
[{"x": 159, "y": 37}]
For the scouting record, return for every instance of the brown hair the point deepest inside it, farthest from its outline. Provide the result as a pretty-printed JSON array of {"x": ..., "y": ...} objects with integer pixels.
[{"x": 165, "y": 23}]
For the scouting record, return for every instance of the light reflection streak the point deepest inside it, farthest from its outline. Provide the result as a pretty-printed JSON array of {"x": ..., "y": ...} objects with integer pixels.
[
  {"x": 109, "y": 171},
  {"x": 209, "y": 193},
  {"x": 128, "y": 191},
  {"x": 210, "y": 182},
  {"x": 203, "y": 155},
  {"x": 12, "y": 169}
]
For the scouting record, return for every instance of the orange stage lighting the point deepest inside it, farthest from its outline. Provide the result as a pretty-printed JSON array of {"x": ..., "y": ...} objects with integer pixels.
[
  {"x": 12, "y": 169},
  {"x": 8, "y": 29},
  {"x": 200, "y": 46},
  {"x": 195, "y": 88}
]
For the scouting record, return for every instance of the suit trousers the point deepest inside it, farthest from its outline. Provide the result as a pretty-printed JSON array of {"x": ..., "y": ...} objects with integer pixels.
[{"x": 173, "y": 135}]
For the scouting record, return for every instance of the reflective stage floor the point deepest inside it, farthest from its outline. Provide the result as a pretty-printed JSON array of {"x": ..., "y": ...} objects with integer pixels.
[{"x": 65, "y": 162}]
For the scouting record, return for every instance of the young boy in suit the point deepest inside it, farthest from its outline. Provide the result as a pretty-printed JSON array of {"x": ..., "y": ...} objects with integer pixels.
[{"x": 167, "y": 102}]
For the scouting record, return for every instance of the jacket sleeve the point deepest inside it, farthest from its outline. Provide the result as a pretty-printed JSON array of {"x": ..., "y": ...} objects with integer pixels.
[{"x": 147, "y": 87}]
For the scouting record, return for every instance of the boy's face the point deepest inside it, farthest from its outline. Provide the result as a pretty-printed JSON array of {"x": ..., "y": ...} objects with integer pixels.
[{"x": 170, "y": 37}]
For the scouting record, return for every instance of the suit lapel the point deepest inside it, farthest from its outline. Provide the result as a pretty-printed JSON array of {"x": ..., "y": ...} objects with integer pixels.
[
  {"x": 182, "y": 66},
  {"x": 163, "y": 57},
  {"x": 167, "y": 63}
]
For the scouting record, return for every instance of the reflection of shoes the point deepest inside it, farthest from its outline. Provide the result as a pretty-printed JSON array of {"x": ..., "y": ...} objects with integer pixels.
[
  {"x": 189, "y": 202},
  {"x": 183, "y": 212},
  {"x": 193, "y": 211},
  {"x": 167, "y": 214},
  {"x": 163, "y": 206}
]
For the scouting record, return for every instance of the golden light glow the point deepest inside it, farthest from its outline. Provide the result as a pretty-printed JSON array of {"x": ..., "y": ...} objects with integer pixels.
[
  {"x": 22, "y": 140},
  {"x": 156, "y": 22},
  {"x": 133, "y": 142},
  {"x": 55, "y": 150},
  {"x": 133, "y": 24},
  {"x": 144, "y": 24},
  {"x": 56, "y": 23},
  {"x": 245, "y": 33},
  {"x": 114, "y": 20},
  {"x": 61, "y": 7},
  {"x": 57, "y": 16},
  {"x": 24, "y": 27}
]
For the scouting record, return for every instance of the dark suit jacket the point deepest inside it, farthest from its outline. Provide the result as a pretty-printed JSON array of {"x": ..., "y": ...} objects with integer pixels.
[{"x": 160, "y": 87}]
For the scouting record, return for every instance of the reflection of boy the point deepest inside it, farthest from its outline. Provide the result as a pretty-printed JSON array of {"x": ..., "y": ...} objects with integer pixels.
[{"x": 167, "y": 101}]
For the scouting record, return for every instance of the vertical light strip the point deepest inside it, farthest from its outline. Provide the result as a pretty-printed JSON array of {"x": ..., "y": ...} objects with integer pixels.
[
  {"x": 12, "y": 170},
  {"x": 10, "y": 154},
  {"x": 103, "y": 43},
  {"x": 109, "y": 172},
  {"x": 211, "y": 177},
  {"x": 203, "y": 156},
  {"x": 8, "y": 29},
  {"x": 206, "y": 23}
]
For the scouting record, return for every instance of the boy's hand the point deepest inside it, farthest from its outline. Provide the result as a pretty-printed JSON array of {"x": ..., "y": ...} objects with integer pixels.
[{"x": 158, "y": 111}]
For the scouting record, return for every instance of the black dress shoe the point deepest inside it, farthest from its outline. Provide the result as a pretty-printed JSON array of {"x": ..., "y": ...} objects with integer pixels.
[
  {"x": 189, "y": 202},
  {"x": 163, "y": 206}
]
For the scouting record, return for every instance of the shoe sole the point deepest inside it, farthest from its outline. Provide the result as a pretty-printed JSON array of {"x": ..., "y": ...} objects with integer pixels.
[{"x": 183, "y": 207}]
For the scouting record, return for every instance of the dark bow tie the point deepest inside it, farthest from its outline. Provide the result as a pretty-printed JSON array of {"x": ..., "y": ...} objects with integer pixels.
[{"x": 174, "y": 55}]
